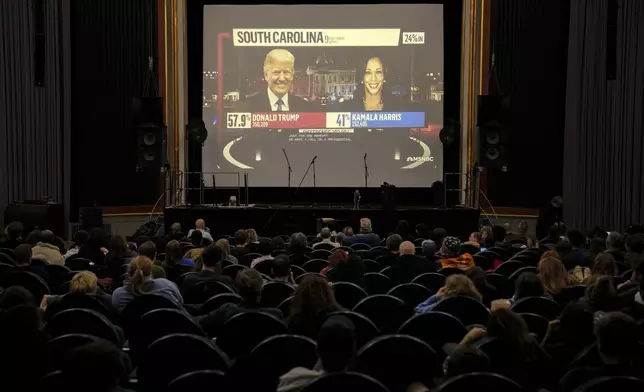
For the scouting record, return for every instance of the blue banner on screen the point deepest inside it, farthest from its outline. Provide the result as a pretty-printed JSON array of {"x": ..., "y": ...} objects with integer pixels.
[{"x": 387, "y": 119}]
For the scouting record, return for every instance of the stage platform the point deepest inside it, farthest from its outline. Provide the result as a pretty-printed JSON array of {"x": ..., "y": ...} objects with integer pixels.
[{"x": 269, "y": 220}]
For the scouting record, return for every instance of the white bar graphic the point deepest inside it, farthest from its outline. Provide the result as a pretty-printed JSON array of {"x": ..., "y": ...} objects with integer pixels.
[{"x": 316, "y": 37}]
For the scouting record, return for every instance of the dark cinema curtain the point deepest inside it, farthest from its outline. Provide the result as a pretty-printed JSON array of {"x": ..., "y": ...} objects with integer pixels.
[{"x": 603, "y": 163}]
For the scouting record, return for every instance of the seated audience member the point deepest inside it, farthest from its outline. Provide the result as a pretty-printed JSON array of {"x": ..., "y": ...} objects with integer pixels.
[
  {"x": 631, "y": 294},
  {"x": 553, "y": 235},
  {"x": 277, "y": 243},
  {"x": 438, "y": 235},
  {"x": 487, "y": 291},
  {"x": 615, "y": 246},
  {"x": 348, "y": 231},
  {"x": 429, "y": 248},
  {"x": 366, "y": 235},
  {"x": 232, "y": 201},
  {"x": 33, "y": 237},
  {"x": 175, "y": 264},
  {"x": 422, "y": 232},
  {"x": 224, "y": 245},
  {"x": 16, "y": 296},
  {"x": 474, "y": 240},
  {"x": 95, "y": 247},
  {"x": 604, "y": 265},
  {"x": 408, "y": 265},
  {"x": 393, "y": 246},
  {"x": 325, "y": 238},
  {"x": 499, "y": 233},
  {"x": 149, "y": 250},
  {"x": 578, "y": 255},
  {"x": 338, "y": 256},
  {"x": 45, "y": 249},
  {"x": 519, "y": 356},
  {"x": 198, "y": 244},
  {"x": 281, "y": 267},
  {"x": 313, "y": 300},
  {"x": 200, "y": 225},
  {"x": 252, "y": 242},
  {"x": 487, "y": 237},
  {"x": 403, "y": 230},
  {"x": 528, "y": 284},
  {"x": 13, "y": 233},
  {"x": 569, "y": 334},
  {"x": 140, "y": 282},
  {"x": 336, "y": 347},
  {"x": 596, "y": 247},
  {"x": 249, "y": 285},
  {"x": 210, "y": 271},
  {"x": 553, "y": 275},
  {"x": 264, "y": 248},
  {"x": 455, "y": 285},
  {"x": 617, "y": 338},
  {"x": 634, "y": 250},
  {"x": 99, "y": 364},
  {"x": 118, "y": 254},
  {"x": 23, "y": 254},
  {"x": 462, "y": 359},
  {"x": 84, "y": 282},
  {"x": 175, "y": 232},
  {"x": 601, "y": 296},
  {"x": 351, "y": 271},
  {"x": 240, "y": 249},
  {"x": 449, "y": 255},
  {"x": 297, "y": 244}
]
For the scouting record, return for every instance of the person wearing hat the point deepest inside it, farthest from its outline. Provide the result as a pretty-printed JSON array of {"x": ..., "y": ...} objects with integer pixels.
[
  {"x": 449, "y": 255},
  {"x": 336, "y": 348}
]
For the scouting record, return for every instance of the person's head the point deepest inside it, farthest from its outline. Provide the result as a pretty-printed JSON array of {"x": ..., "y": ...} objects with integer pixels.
[
  {"x": 23, "y": 254},
  {"x": 403, "y": 228},
  {"x": 429, "y": 248},
  {"x": 528, "y": 285},
  {"x": 373, "y": 78},
  {"x": 224, "y": 246},
  {"x": 277, "y": 243},
  {"x": 438, "y": 234},
  {"x": 635, "y": 243},
  {"x": 617, "y": 336},
  {"x": 33, "y": 237},
  {"x": 601, "y": 294},
  {"x": 14, "y": 231},
  {"x": 365, "y": 226},
  {"x": 249, "y": 284},
  {"x": 498, "y": 233},
  {"x": 523, "y": 227},
  {"x": 614, "y": 241},
  {"x": 97, "y": 238},
  {"x": 279, "y": 68},
  {"x": 16, "y": 296},
  {"x": 456, "y": 285},
  {"x": 477, "y": 276},
  {"x": 464, "y": 359},
  {"x": 81, "y": 237},
  {"x": 557, "y": 202},
  {"x": 325, "y": 233},
  {"x": 281, "y": 266},
  {"x": 117, "y": 244},
  {"x": 511, "y": 329},
  {"x": 138, "y": 271},
  {"x": 348, "y": 231},
  {"x": 563, "y": 248},
  {"x": 553, "y": 275},
  {"x": 450, "y": 247},
  {"x": 336, "y": 343},
  {"x": 393, "y": 243},
  {"x": 252, "y": 236},
  {"x": 531, "y": 241},
  {"x": 175, "y": 228},
  {"x": 149, "y": 250},
  {"x": 576, "y": 238},
  {"x": 337, "y": 257},
  {"x": 422, "y": 231},
  {"x": 312, "y": 297},
  {"x": 576, "y": 323},
  {"x": 597, "y": 245},
  {"x": 173, "y": 253},
  {"x": 47, "y": 237},
  {"x": 507, "y": 227},
  {"x": 99, "y": 364},
  {"x": 200, "y": 224},
  {"x": 211, "y": 256},
  {"x": 297, "y": 242},
  {"x": 475, "y": 237},
  {"x": 196, "y": 238},
  {"x": 84, "y": 282},
  {"x": 232, "y": 200},
  {"x": 486, "y": 232},
  {"x": 604, "y": 265},
  {"x": 407, "y": 248},
  {"x": 241, "y": 237},
  {"x": 264, "y": 247}
]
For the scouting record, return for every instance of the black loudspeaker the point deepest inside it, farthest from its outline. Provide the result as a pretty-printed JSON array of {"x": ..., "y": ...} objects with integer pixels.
[
  {"x": 90, "y": 217},
  {"x": 492, "y": 118},
  {"x": 38, "y": 11},
  {"x": 150, "y": 132}
]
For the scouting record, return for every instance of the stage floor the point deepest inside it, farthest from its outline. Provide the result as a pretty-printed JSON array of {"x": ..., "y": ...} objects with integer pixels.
[{"x": 269, "y": 220}]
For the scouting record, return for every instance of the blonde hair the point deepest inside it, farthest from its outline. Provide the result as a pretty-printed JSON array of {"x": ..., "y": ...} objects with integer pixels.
[
  {"x": 553, "y": 274},
  {"x": 252, "y": 236},
  {"x": 365, "y": 226},
  {"x": 224, "y": 245},
  {"x": 139, "y": 269},
  {"x": 456, "y": 285},
  {"x": 278, "y": 55},
  {"x": 84, "y": 282}
]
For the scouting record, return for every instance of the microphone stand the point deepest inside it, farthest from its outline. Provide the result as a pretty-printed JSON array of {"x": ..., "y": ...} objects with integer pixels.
[
  {"x": 303, "y": 177},
  {"x": 366, "y": 170},
  {"x": 313, "y": 162},
  {"x": 289, "y": 168}
]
